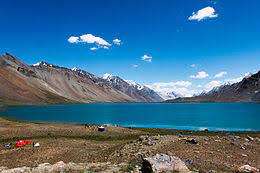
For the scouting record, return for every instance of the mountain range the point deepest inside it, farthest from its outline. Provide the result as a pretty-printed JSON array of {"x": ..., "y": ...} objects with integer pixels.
[
  {"x": 48, "y": 83},
  {"x": 247, "y": 90}
]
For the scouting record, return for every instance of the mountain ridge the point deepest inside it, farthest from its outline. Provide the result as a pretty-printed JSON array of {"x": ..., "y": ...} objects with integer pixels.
[
  {"x": 247, "y": 90},
  {"x": 48, "y": 83}
]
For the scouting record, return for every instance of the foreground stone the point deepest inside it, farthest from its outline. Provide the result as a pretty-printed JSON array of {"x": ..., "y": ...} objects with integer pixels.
[
  {"x": 247, "y": 169},
  {"x": 164, "y": 163},
  {"x": 61, "y": 167}
]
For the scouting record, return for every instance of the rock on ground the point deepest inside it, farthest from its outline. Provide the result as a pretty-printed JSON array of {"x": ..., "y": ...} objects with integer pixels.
[
  {"x": 247, "y": 169},
  {"x": 61, "y": 167},
  {"x": 164, "y": 163}
]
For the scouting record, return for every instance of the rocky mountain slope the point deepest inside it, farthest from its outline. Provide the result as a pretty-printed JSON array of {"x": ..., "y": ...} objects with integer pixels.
[
  {"x": 247, "y": 90},
  {"x": 47, "y": 83},
  {"x": 132, "y": 89}
]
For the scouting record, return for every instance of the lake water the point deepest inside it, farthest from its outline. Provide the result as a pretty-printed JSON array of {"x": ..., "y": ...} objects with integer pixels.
[{"x": 213, "y": 116}]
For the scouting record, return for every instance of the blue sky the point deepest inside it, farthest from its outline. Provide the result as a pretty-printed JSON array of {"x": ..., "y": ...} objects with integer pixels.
[{"x": 225, "y": 40}]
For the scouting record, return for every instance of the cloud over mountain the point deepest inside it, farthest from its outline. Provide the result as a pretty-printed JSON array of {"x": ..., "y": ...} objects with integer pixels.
[
  {"x": 220, "y": 74},
  {"x": 212, "y": 84},
  {"x": 169, "y": 90},
  {"x": 200, "y": 75}
]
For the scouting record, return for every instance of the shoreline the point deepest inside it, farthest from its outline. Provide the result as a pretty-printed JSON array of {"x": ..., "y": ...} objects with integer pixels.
[
  {"x": 133, "y": 102},
  {"x": 193, "y": 129}
]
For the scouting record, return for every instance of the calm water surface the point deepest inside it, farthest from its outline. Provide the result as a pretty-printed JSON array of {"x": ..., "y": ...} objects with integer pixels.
[{"x": 214, "y": 116}]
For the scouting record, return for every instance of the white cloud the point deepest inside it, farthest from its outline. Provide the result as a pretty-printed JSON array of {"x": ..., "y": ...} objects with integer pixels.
[
  {"x": 169, "y": 90},
  {"x": 209, "y": 86},
  {"x": 135, "y": 65},
  {"x": 193, "y": 65},
  {"x": 220, "y": 74},
  {"x": 182, "y": 83},
  {"x": 117, "y": 42},
  {"x": 204, "y": 13},
  {"x": 200, "y": 75},
  {"x": 147, "y": 58},
  {"x": 93, "y": 48},
  {"x": 73, "y": 39},
  {"x": 90, "y": 39}
]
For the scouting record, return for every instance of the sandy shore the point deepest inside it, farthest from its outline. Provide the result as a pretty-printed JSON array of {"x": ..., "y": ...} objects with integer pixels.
[{"x": 219, "y": 151}]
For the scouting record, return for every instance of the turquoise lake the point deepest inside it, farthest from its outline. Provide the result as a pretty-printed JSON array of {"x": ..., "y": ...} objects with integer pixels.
[{"x": 213, "y": 116}]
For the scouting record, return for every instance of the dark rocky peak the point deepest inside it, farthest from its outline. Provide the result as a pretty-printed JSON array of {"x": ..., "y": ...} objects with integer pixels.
[
  {"x": 8, "y": 59},
  {"x": 250, "y": 81},
  {"x": 13, "y": 62}
]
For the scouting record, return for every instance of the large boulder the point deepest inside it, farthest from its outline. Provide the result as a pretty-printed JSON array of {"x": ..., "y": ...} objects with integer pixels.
[
  {"x": 163, "y": 163},
  {"x": 247, "y": 169}
]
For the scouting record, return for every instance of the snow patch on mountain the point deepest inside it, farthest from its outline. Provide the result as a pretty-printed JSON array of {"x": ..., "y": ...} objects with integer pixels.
[
  {"x": 117, "y": 80},
  {"x": 236, "y": 80},
  {"x": 42, "y": 63},
  {"x": 107, "y": 76},
  {"x": 37, "y": 64},
  {"x": 134, "y": 84},
  {"x": 84, "y": 73},
  {"x": 79, "y": 70},
  {"x": 74, "y": 69}
]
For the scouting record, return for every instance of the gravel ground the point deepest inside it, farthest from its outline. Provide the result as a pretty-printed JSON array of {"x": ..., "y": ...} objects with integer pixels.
[{"x": 201, "y": 151}]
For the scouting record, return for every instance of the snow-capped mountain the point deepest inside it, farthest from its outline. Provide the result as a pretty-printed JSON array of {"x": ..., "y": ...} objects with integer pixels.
[
  {"x": 42, "y": 63},
  {"x": 246, "y": 90},
  {"x": 107, "y": 76},
  {"x": 134, "y": 84},
  {"x": 132, "y": 88},
  {"x": 75, "y": 69},
  {"x": 169, "y": 95},
  {"x": 83, "y": 72}
]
